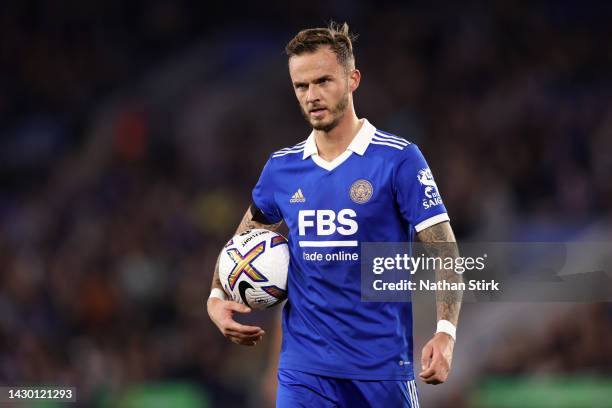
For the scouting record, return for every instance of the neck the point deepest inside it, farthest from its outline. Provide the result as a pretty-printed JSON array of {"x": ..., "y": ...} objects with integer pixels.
[{"x": 333, "y": 143}]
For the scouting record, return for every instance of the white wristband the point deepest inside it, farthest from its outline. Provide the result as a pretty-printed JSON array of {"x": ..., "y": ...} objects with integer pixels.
[
  {"x": 218, "y": 293},
  {"x": 444, "y": 326}
]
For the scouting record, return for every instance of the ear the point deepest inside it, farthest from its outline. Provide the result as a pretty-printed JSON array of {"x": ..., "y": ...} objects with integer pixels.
[{"x": 354, "y": 80}]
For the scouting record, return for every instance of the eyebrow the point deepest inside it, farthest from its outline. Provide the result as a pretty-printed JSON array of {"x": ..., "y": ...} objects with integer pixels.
[{"x": 316, "y": 81}]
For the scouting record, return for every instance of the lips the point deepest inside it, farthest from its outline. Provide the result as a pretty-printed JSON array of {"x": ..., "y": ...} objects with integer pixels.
[{"x": 317, "y": 111}]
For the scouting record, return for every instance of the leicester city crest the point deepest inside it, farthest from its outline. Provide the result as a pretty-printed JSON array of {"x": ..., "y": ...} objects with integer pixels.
[{"x": 361, "y": 191}]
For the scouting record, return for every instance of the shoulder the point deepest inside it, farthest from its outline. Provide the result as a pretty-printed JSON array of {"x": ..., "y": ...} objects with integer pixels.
[
  {"x": 391, "y": 146},
  {"x": 401, "y": 156},
  {"x": 289, "y": 152}
]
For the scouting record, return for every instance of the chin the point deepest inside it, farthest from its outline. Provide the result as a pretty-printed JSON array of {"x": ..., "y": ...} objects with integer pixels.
[{"x": 326, "y": 127}]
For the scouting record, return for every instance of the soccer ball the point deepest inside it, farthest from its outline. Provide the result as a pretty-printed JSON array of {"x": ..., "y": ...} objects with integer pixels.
[{"x": 253, "y": 268}]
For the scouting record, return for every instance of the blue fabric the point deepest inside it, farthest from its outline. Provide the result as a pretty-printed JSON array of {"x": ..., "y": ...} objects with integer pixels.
[
  {"x": 297, "y": 389},
  {"x": 376, "y": 197}
]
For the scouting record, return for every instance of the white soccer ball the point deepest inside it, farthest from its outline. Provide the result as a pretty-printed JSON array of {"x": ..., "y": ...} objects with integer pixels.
[{"x": 253, "y": 268}]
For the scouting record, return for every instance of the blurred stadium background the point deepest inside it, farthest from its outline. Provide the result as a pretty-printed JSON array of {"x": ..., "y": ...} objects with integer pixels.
[{"x": 132, "y": 132}]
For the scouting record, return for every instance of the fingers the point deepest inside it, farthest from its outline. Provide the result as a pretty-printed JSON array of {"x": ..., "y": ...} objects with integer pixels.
[
  {"x": 438, "y": 377},
  {"x": 246, "y": 342},
  {"x": 237, "y": 307},
  {"x": 231, "y": 324},
  {"x": 434, "y": 375},
  {"x": 241, "y": 332},
  {"x": 433, "y": 366},
  {"x": 437, "y": 373},
  {"x": 433, "y": 381},
  {"x": 243, "y": 336},
  {"x": 428, "y": 374},
  {"x": 426, "y": 355},
  {"x": 434, "y": 369},
  {"x": 221, "y": 314},
  {"x": 234, "y": 326}
]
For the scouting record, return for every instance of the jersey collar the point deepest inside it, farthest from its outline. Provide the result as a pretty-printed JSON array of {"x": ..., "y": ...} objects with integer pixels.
[{"x": 358, "y": 145}]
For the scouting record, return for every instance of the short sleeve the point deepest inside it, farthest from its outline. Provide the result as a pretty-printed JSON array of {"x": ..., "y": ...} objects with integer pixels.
[
  {"x": 416, "y": 192},
  {"x": 263, "y": 194}
]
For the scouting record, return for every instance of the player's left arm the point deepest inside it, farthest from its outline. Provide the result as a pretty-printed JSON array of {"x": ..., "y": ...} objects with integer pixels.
[{"x": 439, "y": 241}]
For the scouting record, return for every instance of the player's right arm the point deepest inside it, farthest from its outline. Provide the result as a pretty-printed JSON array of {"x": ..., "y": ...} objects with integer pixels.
[{"x": 220, "y": 310}]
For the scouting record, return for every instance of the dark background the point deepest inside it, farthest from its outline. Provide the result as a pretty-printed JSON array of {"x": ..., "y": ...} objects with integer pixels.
[{"x": 131, "y": 134}]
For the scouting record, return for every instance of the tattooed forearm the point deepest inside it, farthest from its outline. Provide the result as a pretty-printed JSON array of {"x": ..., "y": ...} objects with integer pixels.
[
  {"x": 439, "y": 241},
  {"x": 248, "y": 223}
]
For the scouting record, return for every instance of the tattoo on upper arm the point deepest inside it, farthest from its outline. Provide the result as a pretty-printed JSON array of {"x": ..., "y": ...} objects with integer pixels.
[
  {"x": 439, "y": 241},
  {"x": 441, "y": 232}
]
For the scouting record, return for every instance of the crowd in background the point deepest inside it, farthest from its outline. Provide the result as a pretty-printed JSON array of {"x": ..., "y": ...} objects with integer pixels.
[{"x": 103, "y": 281}]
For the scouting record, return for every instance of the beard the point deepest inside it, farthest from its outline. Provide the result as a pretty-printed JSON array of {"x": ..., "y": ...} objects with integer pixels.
[{"x": 337, "y": 112}]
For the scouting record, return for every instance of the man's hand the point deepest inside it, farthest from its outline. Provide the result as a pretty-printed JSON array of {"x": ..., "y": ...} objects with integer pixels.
[
  {"x": 221, "y": 313},
  {"x": 436, "y": 359}
]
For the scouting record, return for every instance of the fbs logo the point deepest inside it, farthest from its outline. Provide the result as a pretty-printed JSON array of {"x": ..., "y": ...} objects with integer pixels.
[
  {"x": 298, "y": 197},
  {"x": 327, "y": 222}
]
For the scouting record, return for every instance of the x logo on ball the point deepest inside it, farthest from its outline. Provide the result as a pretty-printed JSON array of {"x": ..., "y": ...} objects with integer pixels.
[{"x": 244, "y": 265}]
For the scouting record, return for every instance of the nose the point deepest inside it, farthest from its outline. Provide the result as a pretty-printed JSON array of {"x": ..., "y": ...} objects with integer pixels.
[{"x": 313, "y": 94}]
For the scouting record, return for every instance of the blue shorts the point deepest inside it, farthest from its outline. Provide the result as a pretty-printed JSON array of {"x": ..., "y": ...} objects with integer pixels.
[{"x": 298, "y": 389}]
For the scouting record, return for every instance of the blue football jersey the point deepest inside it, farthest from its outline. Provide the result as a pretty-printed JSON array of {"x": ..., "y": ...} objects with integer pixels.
[{"x": 379, "y": 190}]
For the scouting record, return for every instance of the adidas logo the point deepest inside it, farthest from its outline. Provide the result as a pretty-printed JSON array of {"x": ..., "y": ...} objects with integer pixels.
[{"x": 298, "y": 197}]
